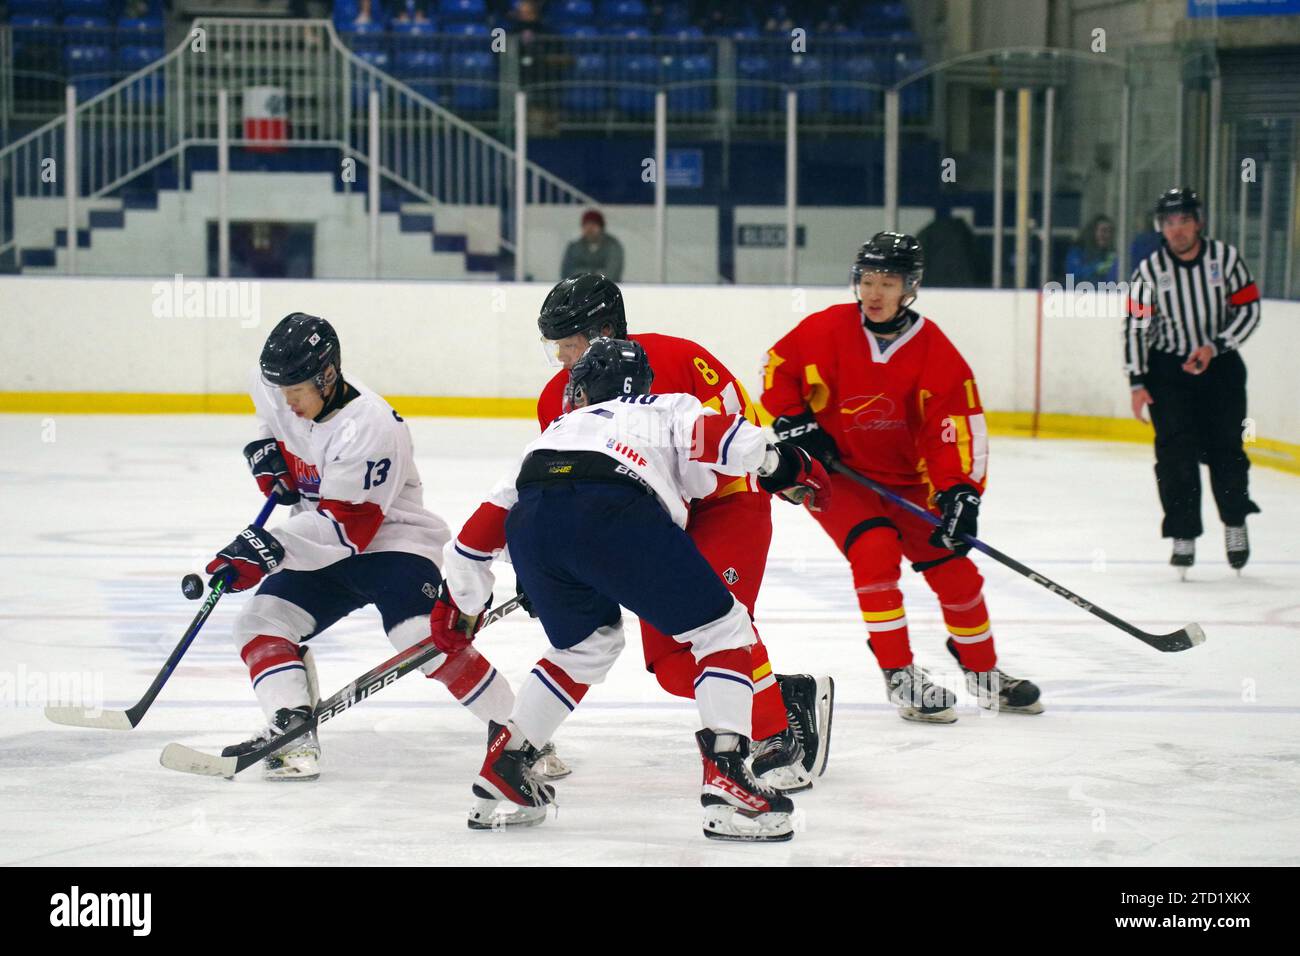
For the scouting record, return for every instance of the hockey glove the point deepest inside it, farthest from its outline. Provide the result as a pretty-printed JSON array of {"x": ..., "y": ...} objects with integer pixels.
[
  {"x": 266, "y": 462},
  {"x": 960, "y": 507},
  {"x": 451, "y": 628},
  {"x": 803, "y": 430},
  {"x": 796, "y": 475},
  {"x": 251, "y": 556}
]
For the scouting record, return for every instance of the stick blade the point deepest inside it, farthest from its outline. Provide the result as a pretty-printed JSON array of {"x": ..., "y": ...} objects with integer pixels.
[
  {"x": 88, "y": 717},
  {"x": 188, "y": 760},
  {"x": 1181, "y": 639}
]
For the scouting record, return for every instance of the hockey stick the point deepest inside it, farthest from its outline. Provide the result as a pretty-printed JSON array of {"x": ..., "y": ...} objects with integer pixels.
[
  {"x": 188, "y": 760},
  {"x": 129, "y": 718},
  {"x": 1179, "y": 640}
]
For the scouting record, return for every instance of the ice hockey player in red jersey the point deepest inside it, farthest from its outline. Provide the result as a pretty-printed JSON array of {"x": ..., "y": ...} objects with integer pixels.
[
  {"x": 731, "y": 527},
  {"x": 358, "y": 534},
  {"x": 879, "y": 387}
]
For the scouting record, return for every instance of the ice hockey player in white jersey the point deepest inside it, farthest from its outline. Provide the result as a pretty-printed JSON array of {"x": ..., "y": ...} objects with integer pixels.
[
  {"x": 358, "y": 534},
  {"x": 594, "y": 519}
]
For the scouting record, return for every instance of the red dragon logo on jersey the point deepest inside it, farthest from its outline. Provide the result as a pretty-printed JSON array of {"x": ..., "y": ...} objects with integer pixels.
[{"x": 871, "y": 413}]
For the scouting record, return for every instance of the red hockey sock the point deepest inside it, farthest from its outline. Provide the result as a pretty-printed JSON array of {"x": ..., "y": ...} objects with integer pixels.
[
  {"x": 265, "y": 654},
  {"x": 474, "y": 682},
  {"x": 676, "y": 672},
  {"x": 769, "y": 707}
]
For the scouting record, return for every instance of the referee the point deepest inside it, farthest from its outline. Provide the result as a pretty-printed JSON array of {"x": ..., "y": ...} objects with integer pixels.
[{"x": 1192, "y": 303}]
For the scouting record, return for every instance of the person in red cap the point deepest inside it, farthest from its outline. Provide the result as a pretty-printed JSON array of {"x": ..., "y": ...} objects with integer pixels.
[{"x": 597, "y": 251}]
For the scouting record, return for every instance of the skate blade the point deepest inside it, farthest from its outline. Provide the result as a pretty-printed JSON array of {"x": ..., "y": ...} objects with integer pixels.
[
  {"x": 488, "y": 814},
  {"x": 293, "y": 769},
  {"x": 1035, "y": 708},
  {"x": 825, "y": 715},
  {"x": 791, "y": 779},
  {"x": 733, "y": 824},
  {"x": 945, "y": 716}
]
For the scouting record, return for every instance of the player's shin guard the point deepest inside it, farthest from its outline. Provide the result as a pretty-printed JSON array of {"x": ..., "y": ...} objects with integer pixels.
[
  {"x": 476, "y": 684},
  {"x": 278, "y": 674},
  {"x": 959, "y": 587},
  {"x": 769, "y": 717}
]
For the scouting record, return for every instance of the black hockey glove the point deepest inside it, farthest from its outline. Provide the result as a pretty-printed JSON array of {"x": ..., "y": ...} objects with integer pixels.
[
  {"x": 797, "y": 476},
  {"x": 803, "y": 430},
  {"x": 269, "y": 469},
  {"x": 960, "y": 507}
]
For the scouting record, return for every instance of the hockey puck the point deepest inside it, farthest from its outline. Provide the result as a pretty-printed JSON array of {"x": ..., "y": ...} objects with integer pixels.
[{"x": 192, "y": 586}]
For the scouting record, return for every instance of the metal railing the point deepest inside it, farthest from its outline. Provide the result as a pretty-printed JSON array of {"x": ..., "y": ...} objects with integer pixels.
[{"x": 170, "y": 106}]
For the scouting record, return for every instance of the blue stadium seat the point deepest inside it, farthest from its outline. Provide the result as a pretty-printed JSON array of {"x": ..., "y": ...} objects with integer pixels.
[
  {"x": 413, "y": 28},
  {"x": 625, "y": 12},
  {"x": 141, "y": 25},
  {"x": 80, "y": 59},
  {"x": 470, "y": 67},
  {"x": 855, "y": 101},
  {"x": 93, "y": 8},
  {"x": 467, "y": 29},
  {"x": 32, "y": 20},
  {"x": 752, "y": 98},
  {"x": 638, "y": 68},
  {"x": 686, "y": 33},
  {"x": 691, "y": 69},
  {"x": 376, "y": 58},
  {"x": 31, "y": 8},
  {"x": 805, "y": 69},
  {"x": 743, "y": 33},
  {"x": 88, "y": 86},
  {"x": 570, "y": 12},
  {"x": 913, "y": 99},
  {"x": 417, "y": 63},
  {"x": 590, "y": 69},
  {"x": 676, "y": 16},
  {"x": 577, "y": 30},
  {"x": 148, "y": 90},
  {"x": 629, "y": 33},
  {"x": 462, "y": 10},
  {"x": 86, "y": 23},
  {"x": 137, "y": 57}
]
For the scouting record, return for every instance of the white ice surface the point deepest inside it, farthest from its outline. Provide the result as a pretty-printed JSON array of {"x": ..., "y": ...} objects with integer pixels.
[{"x": 1141, "y": 757}]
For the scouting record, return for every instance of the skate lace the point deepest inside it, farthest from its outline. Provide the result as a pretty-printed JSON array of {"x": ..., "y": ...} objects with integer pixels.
[
  {"x": 1185, "y": 546},
  {"x": 1236, "y": 538}
]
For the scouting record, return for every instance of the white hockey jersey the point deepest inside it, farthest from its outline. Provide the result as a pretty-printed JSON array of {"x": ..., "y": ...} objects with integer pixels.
[
  {"x": 671, "y": 442},
  {"x": 356, "y": 474}
]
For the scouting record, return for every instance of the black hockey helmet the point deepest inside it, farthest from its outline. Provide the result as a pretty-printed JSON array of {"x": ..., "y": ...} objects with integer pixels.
[
  {"x": 300, "y": 348},
  {"x": 582, "y": 303},
  {"x": 609, "y": 368},
  {"x": 1177, "y": 199},
  {"x": 894, "y": 252}
]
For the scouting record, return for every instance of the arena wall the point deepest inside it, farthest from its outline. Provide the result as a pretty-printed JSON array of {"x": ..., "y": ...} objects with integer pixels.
[{"x": 167, "y": 345}]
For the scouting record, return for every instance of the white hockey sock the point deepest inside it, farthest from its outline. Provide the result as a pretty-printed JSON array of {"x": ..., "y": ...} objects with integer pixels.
[
  {"x": 473, "y": 681},
  {"x": 725, "y": 701},
  {"x": 548, "y": 695}
]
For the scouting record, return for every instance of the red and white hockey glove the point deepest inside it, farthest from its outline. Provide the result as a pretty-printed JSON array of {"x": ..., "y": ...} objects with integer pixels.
[
  {"x": 252, "y": 556},
  {"x": 797, "y": 476},
  {"x": 451, "y": 628},
  {"x": 266, "y": 462}
]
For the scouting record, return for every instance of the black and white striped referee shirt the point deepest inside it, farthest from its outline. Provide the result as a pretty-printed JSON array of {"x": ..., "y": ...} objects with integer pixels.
[{"x": 1176, "y": 306}]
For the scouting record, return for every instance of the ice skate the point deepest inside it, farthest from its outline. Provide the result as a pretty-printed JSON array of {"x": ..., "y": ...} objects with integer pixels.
[
  {"x": 548, "y": 765},
  {"x": 1184, "y": 555},
  {"x": 779, "y": 762},
  {"x": 1237, "y": 545},
  {"x": 736, "y": 805},
  {"x": 508, "y": 791},
  {"x": 297, "y": 760},
  {"x": 809, "y": 708},
  {"x": 997, "y": 691},
  {"x": 919, "y": 698}
]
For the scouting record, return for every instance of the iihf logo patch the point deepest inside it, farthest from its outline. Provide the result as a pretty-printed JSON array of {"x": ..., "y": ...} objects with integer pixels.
[
  {"x": 1216, "y": 276},
  {"x": 430, "y": 591},
  {"x": 730, "y": 576},
  {"x": 314, "y": 340}
]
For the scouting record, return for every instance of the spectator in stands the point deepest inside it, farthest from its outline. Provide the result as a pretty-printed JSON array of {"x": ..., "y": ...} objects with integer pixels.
[
  {"x": 596, "y": 251},
  {"x": 1093, "y": 257},
  {"x": 952, "y": 256},
  {"x": 413, "y": 11},
  {"x": 526, "y": 18}
]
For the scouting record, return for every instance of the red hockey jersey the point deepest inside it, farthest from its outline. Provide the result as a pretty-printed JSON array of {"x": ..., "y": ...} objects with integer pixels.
[
  {"x": 905, "y": 415},
  {"x": 680, "y": 365}
]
